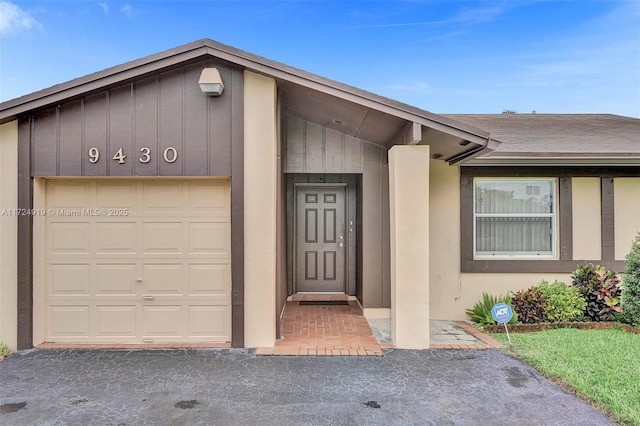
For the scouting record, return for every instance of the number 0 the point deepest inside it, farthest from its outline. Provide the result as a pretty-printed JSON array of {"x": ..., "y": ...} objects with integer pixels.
[{"x": 170, "y": 154}]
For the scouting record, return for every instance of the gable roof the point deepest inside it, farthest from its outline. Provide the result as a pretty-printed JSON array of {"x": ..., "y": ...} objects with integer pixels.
[
  {"x": 364, "y": 114},
  {"x": 561, "y": 138}
]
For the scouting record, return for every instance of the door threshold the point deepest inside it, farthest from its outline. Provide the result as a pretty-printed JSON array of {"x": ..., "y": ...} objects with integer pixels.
[{"x": 320, "y": 297}]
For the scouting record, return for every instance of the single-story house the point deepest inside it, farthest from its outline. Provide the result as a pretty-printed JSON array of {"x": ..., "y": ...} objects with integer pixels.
[{"x": 184, "y": 196}]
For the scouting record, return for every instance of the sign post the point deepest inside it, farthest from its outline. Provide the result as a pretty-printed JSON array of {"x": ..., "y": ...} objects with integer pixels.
[{"x": 502, "y": 314}]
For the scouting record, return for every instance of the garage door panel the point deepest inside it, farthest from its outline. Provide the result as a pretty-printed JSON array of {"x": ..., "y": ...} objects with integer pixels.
[
  {"x": 161, "y": 272},
  {"x": 163, "y": 278},
  {"x": 116, "y": 195},
  {"x": 116, "y": 321},
  {"x": 209, "y": 238},
  {"x": 162, "y": 320},
  {"x": 116, "y": 238},
  {"x": 70, "y": 238},
  {"x": 69, "y": 195},
  {"x": 209, "y": 279},
  {"x": 210, "y": 199},
  {"x": 116, "y": 279},
  {"x": 162, "y": 198},
  {"x": 162, "y": 238},
  {"x": 69, "y": 279},
  {"x": 210, "y": 322},
  {"x": 69, "y": 321}
]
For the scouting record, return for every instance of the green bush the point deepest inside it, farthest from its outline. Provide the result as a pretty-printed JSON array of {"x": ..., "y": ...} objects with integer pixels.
[
  {"x": 530, "y": 306},
  {"x": 563, "y": 303},
  {"x": 601, "y": 290},
  {"x": 630, "y": 299},
  {"x": 5, "y": 351},
  {"x": 481, "y": 311}
]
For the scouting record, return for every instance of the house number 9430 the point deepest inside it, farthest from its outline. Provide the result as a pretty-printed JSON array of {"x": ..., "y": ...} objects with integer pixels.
[{"x": 170, "y": 155}]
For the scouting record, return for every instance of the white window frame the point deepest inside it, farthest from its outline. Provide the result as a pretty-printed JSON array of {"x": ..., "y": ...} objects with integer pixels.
[{"x": 553, "y": 215}]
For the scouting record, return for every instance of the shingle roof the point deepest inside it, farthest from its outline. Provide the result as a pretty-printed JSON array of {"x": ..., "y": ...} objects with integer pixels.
[{"x": 559, "y": 135}]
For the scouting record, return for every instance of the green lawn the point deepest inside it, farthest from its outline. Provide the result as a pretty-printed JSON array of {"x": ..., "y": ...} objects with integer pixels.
[{"x": 602, "y": 366}]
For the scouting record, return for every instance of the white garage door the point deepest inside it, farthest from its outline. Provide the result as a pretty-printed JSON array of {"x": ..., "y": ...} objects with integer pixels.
[{"x": 137, "y": 261}]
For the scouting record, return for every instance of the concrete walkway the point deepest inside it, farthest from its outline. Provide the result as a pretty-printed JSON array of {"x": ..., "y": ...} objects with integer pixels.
[
  {"x": 235, "y": 387},
  {"x": 443, "y": 335}
]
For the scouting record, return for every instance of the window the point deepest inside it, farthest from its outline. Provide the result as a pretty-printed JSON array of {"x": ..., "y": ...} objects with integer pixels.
[{"x": 514, "y": 217}]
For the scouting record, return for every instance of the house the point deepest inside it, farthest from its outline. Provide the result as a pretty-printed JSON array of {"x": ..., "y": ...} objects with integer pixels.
[{"x": 184, "y": 196}]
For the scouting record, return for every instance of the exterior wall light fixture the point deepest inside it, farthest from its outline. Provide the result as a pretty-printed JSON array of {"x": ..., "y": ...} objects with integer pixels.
[{"x": 210, "y": 82}]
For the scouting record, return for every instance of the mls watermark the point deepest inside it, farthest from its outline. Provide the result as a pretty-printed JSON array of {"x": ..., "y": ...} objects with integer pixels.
[{"x": 60, "y": 212}]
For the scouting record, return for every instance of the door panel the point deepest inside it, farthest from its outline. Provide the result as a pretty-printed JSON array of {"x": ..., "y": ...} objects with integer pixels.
[{"x": 320, "y": 238}]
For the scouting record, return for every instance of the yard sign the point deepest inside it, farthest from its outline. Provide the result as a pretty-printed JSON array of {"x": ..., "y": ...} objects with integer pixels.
[{"x": 502, "y": 314}]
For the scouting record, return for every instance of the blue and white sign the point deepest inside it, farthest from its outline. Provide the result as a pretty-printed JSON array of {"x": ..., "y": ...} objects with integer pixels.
[{"x": 502, "y": 313}]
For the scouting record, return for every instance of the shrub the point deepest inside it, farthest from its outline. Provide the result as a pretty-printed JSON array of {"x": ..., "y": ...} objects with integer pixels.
[
  {"x": 601, "y": 290},
  {"x": 530, "y": 306},
  {"x": 630, "y": 300},
  {"x": 481, "y": 311},
  {"x": 5, "y": 351},
  {"x": 563, "y": 303}
]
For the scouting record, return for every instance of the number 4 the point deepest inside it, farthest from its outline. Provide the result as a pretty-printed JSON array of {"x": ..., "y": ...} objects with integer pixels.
[{"x": 119, "y": 156}]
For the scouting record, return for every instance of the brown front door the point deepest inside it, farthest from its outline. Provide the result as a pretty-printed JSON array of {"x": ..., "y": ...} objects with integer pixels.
[{"x": 320, "y": 238}]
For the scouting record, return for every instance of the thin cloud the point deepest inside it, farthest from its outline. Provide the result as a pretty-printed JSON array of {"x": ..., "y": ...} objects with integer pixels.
[
  {"x": 104, "y": 7},
  {"x": 479, "y": 15},
  {"x": 127, "y": 9},
  {"x": 14, "y": 20}
]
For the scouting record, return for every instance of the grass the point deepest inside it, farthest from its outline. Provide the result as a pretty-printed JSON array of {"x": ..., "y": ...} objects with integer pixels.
[
  {"x": 602, "y": 366},
  {"x": 4, "y": 350}
]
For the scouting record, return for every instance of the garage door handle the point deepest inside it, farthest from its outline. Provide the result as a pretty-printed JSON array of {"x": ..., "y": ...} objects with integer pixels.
[{"x": 148, "y": 297}]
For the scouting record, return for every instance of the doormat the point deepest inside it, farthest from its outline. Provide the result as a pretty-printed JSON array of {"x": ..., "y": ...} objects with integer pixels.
[{"x": 324, "y": 302}]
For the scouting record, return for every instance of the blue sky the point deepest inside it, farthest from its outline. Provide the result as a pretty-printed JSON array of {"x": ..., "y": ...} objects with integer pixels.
[{"x": 442, "y": 56}]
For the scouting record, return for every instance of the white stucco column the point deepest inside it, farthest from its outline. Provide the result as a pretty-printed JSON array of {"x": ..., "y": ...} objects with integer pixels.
[
  {"x": 409, "y": 222},
  {"x": 260, "y": 177},
  {"x": 9, "y": 233}
]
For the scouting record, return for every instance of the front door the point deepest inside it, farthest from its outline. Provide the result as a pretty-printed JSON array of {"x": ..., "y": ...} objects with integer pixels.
[{"x": 320, "y": 238}]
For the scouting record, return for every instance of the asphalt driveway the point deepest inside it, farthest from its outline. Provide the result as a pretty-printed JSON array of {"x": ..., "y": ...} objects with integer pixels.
[{"x": 235, "y": 387}]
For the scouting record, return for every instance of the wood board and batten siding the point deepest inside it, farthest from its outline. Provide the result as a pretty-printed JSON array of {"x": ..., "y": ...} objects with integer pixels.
[
  {"x": 161, "y": 125},
  {"x": 315, "y": 153}
]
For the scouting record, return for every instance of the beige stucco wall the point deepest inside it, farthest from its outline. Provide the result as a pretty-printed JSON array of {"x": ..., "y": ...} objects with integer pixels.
[
  {"x": 444, "y": 239},
  {"x": 626, "y": 214},
  {"x": 260, "y": 202},
  {"x": 586, "y": 217},
  {"x": 8, "y": 233},
  {"x": 409, "y": 237},
  {"x": 452, "y": 292}
]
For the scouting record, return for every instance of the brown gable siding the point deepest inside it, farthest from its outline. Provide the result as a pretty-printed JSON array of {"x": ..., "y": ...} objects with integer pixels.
[{"x": 160, "y": 112}]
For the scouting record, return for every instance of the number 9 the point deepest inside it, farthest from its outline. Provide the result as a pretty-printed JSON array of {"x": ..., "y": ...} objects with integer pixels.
[{"x": 94, "y": 155}]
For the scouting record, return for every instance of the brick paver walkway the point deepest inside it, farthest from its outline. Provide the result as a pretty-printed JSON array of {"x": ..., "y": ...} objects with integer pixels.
[{"x": 324, "y": 330}]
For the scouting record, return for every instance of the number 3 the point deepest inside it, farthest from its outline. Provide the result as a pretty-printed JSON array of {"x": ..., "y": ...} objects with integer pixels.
[{"x": 146, "y": 155}]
